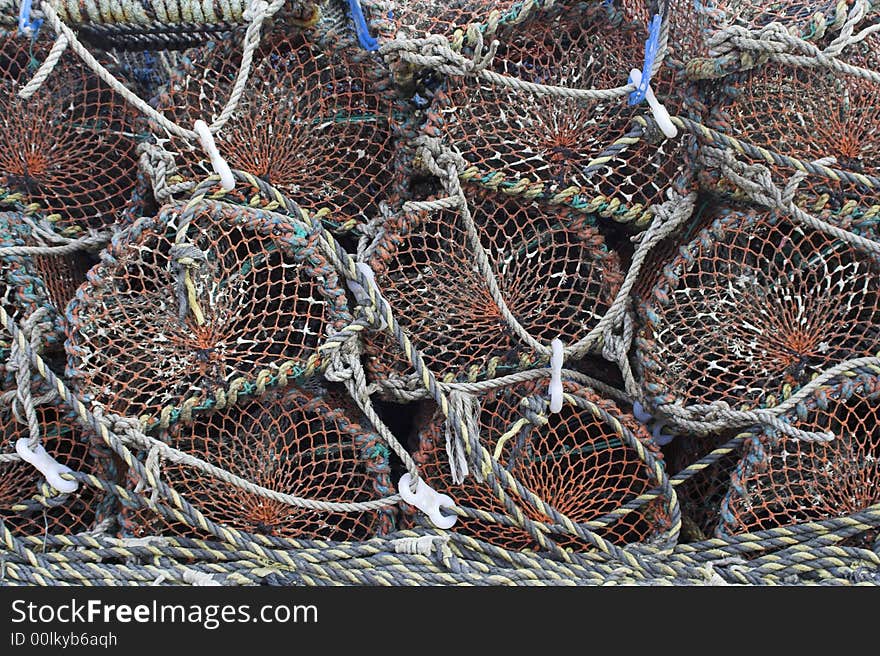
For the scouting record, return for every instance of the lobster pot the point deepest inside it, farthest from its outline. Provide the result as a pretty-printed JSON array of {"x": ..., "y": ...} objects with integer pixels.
[
  {"x": 260, "y": 300},
  {"x": 70, "y": 148},
  {"x": 286, "y": 441},
  {"x": 36, "y": 281},
  {"x": 318, "y": 119},
  {"x": 752, "y": 309},
  {"x": 28, "y": 505},
  {"x": 579, "y": 461},
  {"x": 807, "y": 114},
  {"x": 781, "y": 481},
  {"x": 551, "y": 265},
  {"x": 587, "y": 154},
  {"x": 693, "y": 24}
]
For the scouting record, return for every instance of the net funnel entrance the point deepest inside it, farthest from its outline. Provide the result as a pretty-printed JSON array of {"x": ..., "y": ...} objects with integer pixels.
[
  {"x": 267, "y": 296},
  {"x": 70, "y": 148},
  {"x": 808, "y": 114},
  {"x": 575, "y": 461},
  {"x": 584, "y": 153},
  {"x": 781, "y": 481},
  {"x": 751, "y": 309},
  {"x": 553, "y": 269},
  {"x": 317, "y": 119},
  {"x": 286, "y": 441}
]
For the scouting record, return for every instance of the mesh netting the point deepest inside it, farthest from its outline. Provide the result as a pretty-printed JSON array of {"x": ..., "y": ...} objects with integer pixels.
[
  {"x": 580, "y": 152},
  {"x": 808, "y": 114},
  {"x": 782, "y": 481},
  {"x": 249, "y": 369},
  {"x": 71, "y": 147},
  {"x": 286, "y": 442},
  {"x": 268, "y": 300},
  {"x": 752, "y": 308},
  {"x": 574, "y": 460},
  {"x": 693, "y": 22},
  {"x": 552, "y": 267},
  {"x": 22, "y": 290},
  {"x": 455, "y": 20},
  {"x": 316, "y": 119},
  {"x": 27, "y": 505}
]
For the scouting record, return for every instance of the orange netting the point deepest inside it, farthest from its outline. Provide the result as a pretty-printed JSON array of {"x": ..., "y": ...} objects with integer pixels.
[
  {"x": 71, "y": 146},
  {"x": 576, "y": 462},
  {"x": 782, "y": 481},
  {"x": 512, "y": 138},
  {"x": 753, "y": 308},
  {"x": 287, "y": 442},
  {"x": 810, "y": 113},
  {"x": 692, "y": 22},
  {"x": 552, "y": 267},
  {"x": 22, "y": 507},
  {"x": 317, "y": 119},
  {"x": 267, "y": 296}
]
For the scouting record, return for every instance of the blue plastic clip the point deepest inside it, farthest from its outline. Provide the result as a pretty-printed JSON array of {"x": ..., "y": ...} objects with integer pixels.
[
  {"x": 651, "y": 47},
  {"x": 360, "y": 25},
  {"x": 27, "y": 25}
]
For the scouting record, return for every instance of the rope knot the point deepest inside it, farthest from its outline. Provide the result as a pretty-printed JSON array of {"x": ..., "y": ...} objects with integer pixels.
[{"x": 187, "y": 258}]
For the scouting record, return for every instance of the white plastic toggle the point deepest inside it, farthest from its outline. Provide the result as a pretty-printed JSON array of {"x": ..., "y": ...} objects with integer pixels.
[
  {"x": 428, "y": 501},
  {"x": 661, "y": 115},
  {"x": 221, "y": 168},
  {"x": 556, "y": 361},
  {"x": 46, "y": 465}
]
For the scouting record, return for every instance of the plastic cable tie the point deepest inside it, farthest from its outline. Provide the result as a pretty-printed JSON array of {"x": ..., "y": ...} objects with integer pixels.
[
  {"x": 50, "y": 468},
  {"x": 557, "y": 358},
  {"x": 221, "y": 168},
  {"x": 646, "y": 418},
  {"x": 641, "y": 414},
  {"x": 652, "y": 45},
  {"x": 427, "y": 499},
  {"x": 661, "y": 114},
  {"x": 360, "y": 25},
  {"x": 26, "y": 25}
]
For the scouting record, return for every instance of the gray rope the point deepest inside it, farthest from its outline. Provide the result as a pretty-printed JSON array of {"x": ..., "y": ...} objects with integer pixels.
[
  {"x": 20, "y": 363},
  {"x": 467, "y": 407},
  {"x": 345, "y": 367},
  {"x": 257, "y": 13},
  {"x": 756, "y": 182},
  {"x": 89, "y": 242},
  {"x": 45, "y": 69}
]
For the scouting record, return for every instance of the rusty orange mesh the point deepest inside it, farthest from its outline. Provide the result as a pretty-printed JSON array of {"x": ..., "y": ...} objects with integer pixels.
[
  {"x": 782, "y": 481},
  {"x": 288, "y": 442},
  {"x": 71, "y": 146},
  {"x": 552, "y": 266},
  {"x": 807, "y": 114},
  {"x": 752, "y": 308},
  {"x": 20, "y": 482},
  {"x": 514, "y": 140},
  {"x": 268, "y": 298},
  {"x": 576, "y": 462},
  {"x": 316, "y": 119},
  {"x": 693, "y": 22}
]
